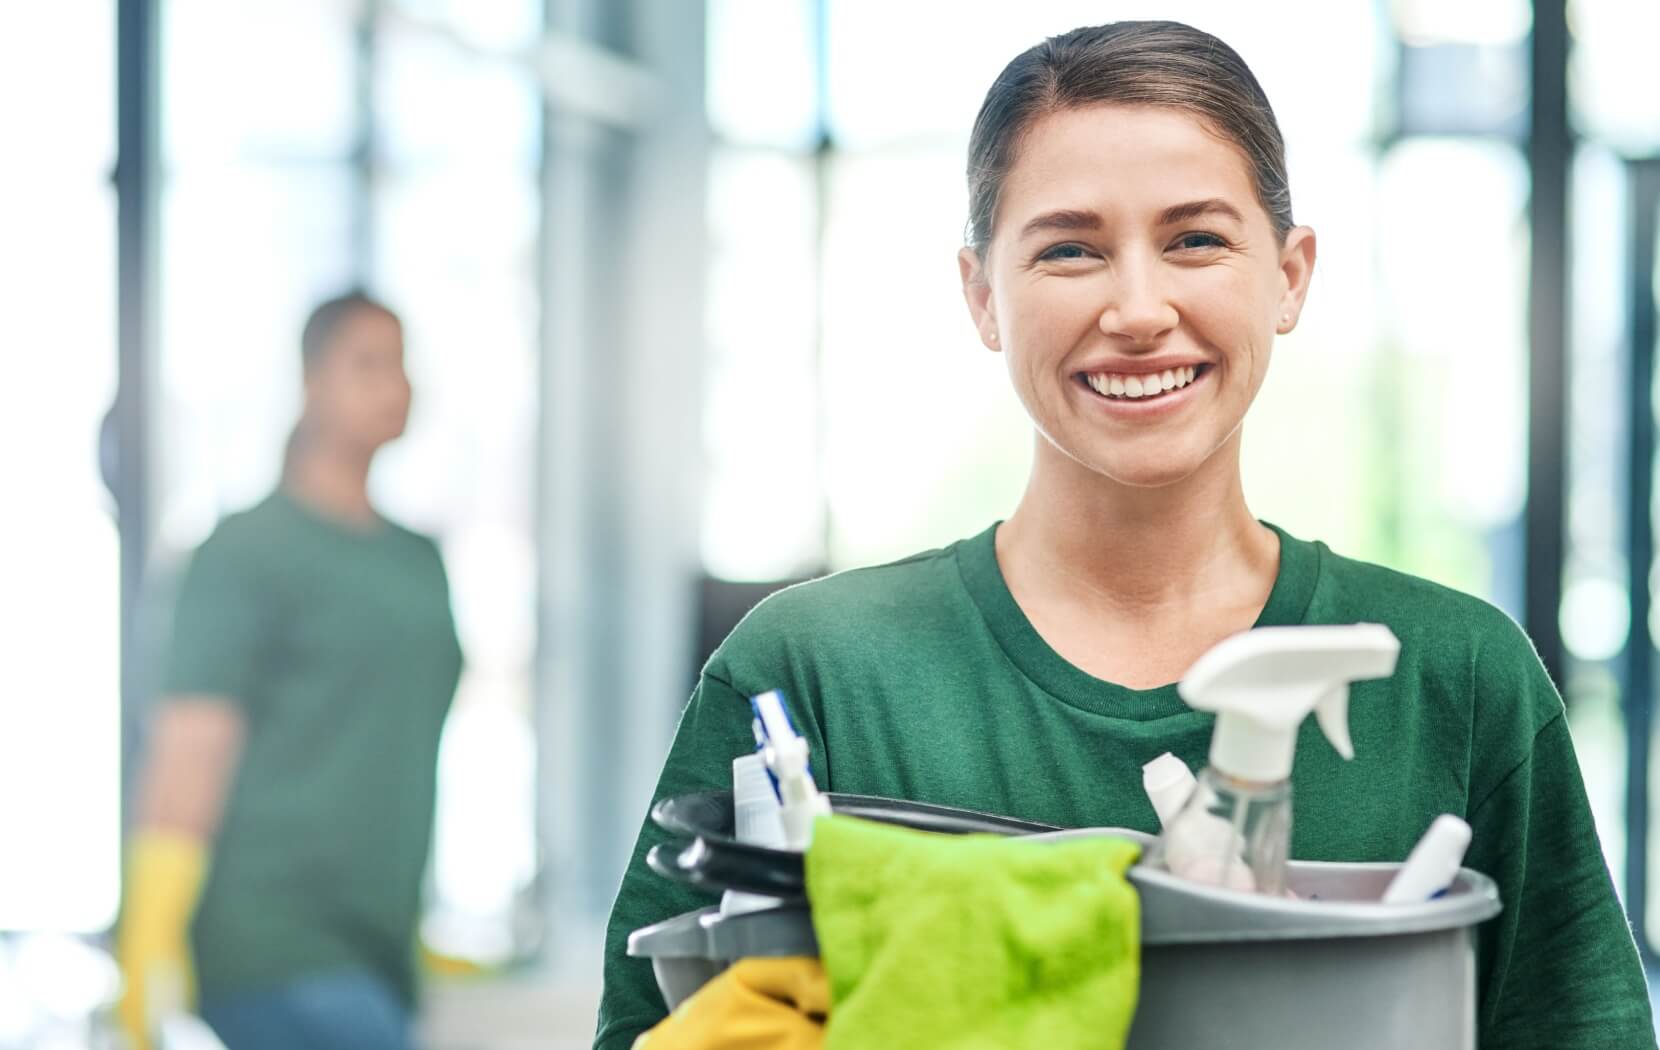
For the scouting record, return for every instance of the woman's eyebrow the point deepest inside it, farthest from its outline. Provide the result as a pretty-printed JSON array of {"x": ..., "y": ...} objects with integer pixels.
[
  {"x": 1193, "y": 209},
  {"x": 1068, "y": 220},
  {"x": 1065, "y": 219}
]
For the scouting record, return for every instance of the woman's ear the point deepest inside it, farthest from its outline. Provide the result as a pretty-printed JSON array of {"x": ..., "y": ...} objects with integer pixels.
[
  {"x": 1296, "y": 270},
  {"x": 977, "y": 293}
]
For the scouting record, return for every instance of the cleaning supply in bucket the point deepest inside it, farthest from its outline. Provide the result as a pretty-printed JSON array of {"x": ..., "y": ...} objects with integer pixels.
[
  {"x": 1433, "y": 863},
  {"x": 1202, "y": 845},
  {"x": 758, "y": 820},
  {"x": 785, "y": 754},
  {"x": 973, "y": 940},
  {"x": 1169, "y": 784},
  {"x": 1235, "y": 830},
  {"x": 773, "y": 1003}
]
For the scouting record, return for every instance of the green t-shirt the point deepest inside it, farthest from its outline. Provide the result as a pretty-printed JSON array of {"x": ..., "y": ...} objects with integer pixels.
[
  {"x": 338, "y": 647},
  {"x": 923, "y": 680}
]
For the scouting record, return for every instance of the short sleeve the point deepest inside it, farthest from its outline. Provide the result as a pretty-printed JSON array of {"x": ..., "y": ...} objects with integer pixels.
[
  {"x": 220, "y": 622},
  {"x": 1559, "y": 962}
]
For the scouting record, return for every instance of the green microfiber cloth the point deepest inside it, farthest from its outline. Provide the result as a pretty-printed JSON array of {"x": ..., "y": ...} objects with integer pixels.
[{"x": 973, "y": 941}]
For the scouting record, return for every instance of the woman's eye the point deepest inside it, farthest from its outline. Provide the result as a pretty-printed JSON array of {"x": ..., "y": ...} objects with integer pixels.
[
  {"x": 1199, "y": 241},
  {"x": 1065, "y": 252}
]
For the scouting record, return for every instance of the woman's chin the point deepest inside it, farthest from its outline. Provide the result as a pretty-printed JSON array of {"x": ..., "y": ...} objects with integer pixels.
[
  {"x": 1139, "y": 461},
  {"x": 1147, "y": 479},
  {"x": 1143, "y": 472}
]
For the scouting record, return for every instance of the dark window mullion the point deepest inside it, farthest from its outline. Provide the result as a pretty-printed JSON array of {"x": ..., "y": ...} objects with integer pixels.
[{"x": 1638, "y": 692}]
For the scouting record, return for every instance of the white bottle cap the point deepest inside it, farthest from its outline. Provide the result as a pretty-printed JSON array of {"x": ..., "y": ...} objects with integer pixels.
[
  {"x": 1433, "y": 864},
  {"x": 1169, "y": 784}
]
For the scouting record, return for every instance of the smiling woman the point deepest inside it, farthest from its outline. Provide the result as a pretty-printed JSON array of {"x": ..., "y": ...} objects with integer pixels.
[
  {"x": 1131, "y": 254},
  {"x": 1172, "y": 263}
]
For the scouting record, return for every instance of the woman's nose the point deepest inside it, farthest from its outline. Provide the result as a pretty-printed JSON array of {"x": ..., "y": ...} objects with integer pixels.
[{"x": 1138, "y": 307}]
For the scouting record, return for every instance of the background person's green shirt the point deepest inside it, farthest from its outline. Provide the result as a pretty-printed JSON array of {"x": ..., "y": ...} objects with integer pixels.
[
  {"x": 338, "y": 647},
  {"x": 924, "y": 680}
]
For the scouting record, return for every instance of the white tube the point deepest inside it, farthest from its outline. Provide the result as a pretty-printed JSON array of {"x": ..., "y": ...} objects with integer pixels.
[
  {"x": 1169, "y": 784},
  {"x": 1433, "y": 863}
]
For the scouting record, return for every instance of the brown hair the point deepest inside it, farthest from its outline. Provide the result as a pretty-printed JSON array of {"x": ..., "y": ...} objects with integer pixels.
[
  {"x": 1125, "y": 63},
  {"x": 316, "y": 337}
]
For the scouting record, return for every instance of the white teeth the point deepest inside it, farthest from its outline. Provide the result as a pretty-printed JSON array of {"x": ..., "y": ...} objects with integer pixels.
[{"x": 1145, "y": 385}]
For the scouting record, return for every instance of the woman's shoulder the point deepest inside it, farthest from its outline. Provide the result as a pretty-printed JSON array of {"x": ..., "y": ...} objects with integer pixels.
[
  {"x": 276, "y": 536},
  {"x": 859, "y": 608},
  {"x": 1351, "y": 588},
  {"x": 244, "y": 533},
  {"x": 903, "y": 586},
  {"x": 421, "y": 543},
  {"x": 1443, "y": 630}
]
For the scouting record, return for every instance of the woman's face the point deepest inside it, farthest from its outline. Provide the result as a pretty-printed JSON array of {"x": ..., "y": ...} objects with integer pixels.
[
  {"x": 358, "y": 393},
  {"x": 1134, "y": 284}
]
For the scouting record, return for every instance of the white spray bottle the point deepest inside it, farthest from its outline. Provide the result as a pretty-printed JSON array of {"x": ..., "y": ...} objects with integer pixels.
[
  {"x": 1235, "y": 830},
  {"x": 785, "y": 753}
]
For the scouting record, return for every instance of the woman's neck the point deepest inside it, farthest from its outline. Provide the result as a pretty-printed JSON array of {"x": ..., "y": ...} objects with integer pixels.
[
  {"x": 334, "y": 482},
  {"x": 1118, "y": 551}
]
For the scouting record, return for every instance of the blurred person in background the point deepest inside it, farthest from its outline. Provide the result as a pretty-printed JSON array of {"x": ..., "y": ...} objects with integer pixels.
[{"x": 284, "y": 813}]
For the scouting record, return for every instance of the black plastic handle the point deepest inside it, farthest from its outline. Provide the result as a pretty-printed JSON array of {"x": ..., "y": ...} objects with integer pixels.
[
  {"x": 709, "y": 813},
  {"x": 707, "y": 856},
  {"x": 716, "y": 866}
]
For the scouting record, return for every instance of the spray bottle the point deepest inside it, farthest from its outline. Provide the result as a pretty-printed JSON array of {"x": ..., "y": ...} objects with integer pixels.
[
  {"x": 1235, "y": 829},
  {"x": 785, "y": 753}
]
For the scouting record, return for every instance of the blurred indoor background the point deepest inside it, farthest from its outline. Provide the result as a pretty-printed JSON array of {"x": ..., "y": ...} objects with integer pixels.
[{"x": 684, "y": 321}]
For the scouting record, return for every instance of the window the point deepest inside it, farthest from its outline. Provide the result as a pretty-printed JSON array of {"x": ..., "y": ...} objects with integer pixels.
[{"x": 59, "y": 553}]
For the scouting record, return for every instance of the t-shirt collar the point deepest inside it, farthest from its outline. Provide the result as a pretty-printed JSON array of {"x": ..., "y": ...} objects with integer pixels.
[{"x": 1287, "y": 604}]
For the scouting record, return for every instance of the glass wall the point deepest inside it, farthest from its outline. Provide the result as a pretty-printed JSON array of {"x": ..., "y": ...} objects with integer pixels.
[
  {"x": 453, "y": 227},
  {"x": 1617, "y": 118},
  {"x": 59, "y": 554}
]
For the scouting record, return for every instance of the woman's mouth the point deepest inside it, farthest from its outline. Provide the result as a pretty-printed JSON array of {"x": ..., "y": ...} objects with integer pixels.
[{"x": 1142, "y": 387}]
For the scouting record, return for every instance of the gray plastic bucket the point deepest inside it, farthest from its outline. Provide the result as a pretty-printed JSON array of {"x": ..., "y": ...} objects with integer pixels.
[{"x": 1218, "y": 968}]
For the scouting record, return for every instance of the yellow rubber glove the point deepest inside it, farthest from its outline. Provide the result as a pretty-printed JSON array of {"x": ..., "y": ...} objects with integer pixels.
[
  {"x": 757, "y": 1004},
  {"x": 165, "y": 872},
  {"x": 437, "y": 963}
]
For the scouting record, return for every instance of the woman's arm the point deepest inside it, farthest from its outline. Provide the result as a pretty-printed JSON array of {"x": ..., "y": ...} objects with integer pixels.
[
  {"x": 195, "y": 747},
  {"x": 714, "y": 729},
  {"x": 1560, "y": 968}
]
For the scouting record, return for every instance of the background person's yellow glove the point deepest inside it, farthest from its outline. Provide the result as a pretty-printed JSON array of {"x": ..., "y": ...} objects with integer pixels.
[
  {"x": 165, "y": 872},
  {"x": 756, "y": 1004}
]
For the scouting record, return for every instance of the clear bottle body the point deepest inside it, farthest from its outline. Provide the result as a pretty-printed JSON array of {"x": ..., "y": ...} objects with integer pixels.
[{"x": 1231, "y": 833}]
